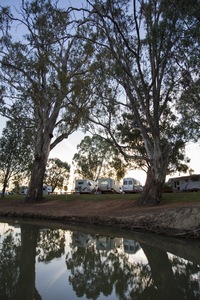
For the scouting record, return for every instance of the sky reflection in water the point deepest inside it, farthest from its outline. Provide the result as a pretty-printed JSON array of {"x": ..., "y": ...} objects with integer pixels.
[{"x": 51, "y": 263}]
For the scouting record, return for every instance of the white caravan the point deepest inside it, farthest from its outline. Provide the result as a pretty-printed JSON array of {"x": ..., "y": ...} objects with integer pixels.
[
  {"x": 23, "y": 190},
  {"x": 85, "y": 186},
  {"x": 190, "y": 183},
  {"x": 131, "y": 185},
  {"x": 108, "y": 185},
  {"x": 47, "y": 189}
]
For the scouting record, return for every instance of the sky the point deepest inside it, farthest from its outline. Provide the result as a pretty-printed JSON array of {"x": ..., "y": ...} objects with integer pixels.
[{"x": 66, "y": 149}]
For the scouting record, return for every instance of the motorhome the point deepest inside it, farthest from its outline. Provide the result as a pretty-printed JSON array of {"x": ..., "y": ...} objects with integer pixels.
[
  {"x": 108, "y": 185},
  {"x": 85, "y": 186},
  {"x": 131, "y": 185},
  {"x": 190, "y": 183}
]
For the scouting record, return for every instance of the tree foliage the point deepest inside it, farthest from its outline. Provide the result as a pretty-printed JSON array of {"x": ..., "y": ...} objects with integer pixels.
[
  {"x": 97, "y": 157},
  {"x": 188, "y": 106},
  {"x": 15, "y": 153},
  {"x": 146, "y": 56},
  {"x": 45, "y": 77},
  {"x": 57, "y": 173},
  {"x": 148, "y": 47}
]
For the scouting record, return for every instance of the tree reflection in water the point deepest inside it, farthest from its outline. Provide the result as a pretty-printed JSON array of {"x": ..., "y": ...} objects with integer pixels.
[
  {"x": 17, "y": 259},
  {"x": 95, "y": 271},
  {"x": 98, "y": 265}
]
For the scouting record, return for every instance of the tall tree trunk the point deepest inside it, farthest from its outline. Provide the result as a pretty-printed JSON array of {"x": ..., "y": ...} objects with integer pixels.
[
  {"x": 35, "y": 190},
  {"x": 4, "y": 186},
  {"x": 5, "y": 182},
  {"x": 153, "y": 188},
  {"x": 155, "y": 180}
]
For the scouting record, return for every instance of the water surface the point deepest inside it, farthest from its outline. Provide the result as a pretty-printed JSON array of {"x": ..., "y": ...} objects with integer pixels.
[{"x": 46, "y": 262}]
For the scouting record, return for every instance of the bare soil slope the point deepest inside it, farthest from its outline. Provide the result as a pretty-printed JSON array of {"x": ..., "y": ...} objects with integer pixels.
[{"x": 177, "y": 219}]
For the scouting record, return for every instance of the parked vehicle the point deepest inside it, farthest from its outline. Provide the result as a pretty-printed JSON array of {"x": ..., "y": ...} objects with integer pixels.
[
  {"x": 131, "y": 185},
  {"x": 108, "y": 185},
  {"x": 47, "y": 189},
  {"x": 85, "y": 186},
  {"x": 190, "y": 183},
  {"x": 23, "y": 190}
]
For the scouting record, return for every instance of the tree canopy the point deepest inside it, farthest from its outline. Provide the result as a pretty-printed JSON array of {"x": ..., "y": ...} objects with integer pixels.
[
  {"x": 57, "y": 173},
  {"x": 97, "y": 157},
  {"x": 121, "y": 65},
  {"x": 15, "y": 153},
  {"x": 45, "y": 77},
  {"x": 149, "y": 48}
]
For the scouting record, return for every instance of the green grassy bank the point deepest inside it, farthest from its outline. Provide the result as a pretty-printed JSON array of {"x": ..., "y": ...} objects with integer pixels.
[{"x": 167, "y": 197}]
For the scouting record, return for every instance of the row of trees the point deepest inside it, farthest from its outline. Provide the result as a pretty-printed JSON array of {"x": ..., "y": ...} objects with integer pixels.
[
  {"x": 120, "y": 69},
  {"x": 16, "y": 156},
  {"x": 95, "y": 158}
]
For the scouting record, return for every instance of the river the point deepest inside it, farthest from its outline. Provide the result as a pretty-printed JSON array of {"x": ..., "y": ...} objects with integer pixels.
[{"x": 50, "y": 261}]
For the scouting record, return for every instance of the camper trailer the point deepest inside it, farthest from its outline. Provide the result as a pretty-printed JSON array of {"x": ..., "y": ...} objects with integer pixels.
[
  {"x": 108, "y": 185},
  {"x": 190, "y": 183},
  {"x": 23, "y": 190},
  {"x": 85, "y": 186},
  {"x": 47, "y": 189},
  {"x": 131, "y": 185}
]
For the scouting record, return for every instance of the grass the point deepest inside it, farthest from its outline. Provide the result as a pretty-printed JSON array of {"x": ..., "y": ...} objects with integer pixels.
[
  {"x": 99, "y": 197},
  {"x": 167, "y": 197},
  {"x": 181, "y": 197}
]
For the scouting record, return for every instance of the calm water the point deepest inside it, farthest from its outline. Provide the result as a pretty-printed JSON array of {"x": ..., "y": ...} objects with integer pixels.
[{"x": 39, "y": 262}]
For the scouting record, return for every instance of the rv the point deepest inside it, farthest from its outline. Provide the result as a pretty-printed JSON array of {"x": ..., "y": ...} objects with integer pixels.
[
  {"x": 47, "y": 189},
  {"x": 108, "y": 185},
  {"x": 23, "y": 190},
  {"x": 190, "y": 183},
  {"x": 85, "y": 186},
  {"x": 131, "y": 185}
]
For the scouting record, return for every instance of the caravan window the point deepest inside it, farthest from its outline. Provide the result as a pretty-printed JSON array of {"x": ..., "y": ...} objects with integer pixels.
[
  {"x": 80, "y": 182},
  {"x": 128, "y": 182},
  {"x": 104, "y": 182}
]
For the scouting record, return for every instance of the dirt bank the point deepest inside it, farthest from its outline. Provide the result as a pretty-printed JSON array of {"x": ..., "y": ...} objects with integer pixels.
[{"x": 179, "y": 219}]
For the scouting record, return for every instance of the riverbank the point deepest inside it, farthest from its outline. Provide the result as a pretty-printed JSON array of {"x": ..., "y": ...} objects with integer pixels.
[{"x": 175, "y": 219}]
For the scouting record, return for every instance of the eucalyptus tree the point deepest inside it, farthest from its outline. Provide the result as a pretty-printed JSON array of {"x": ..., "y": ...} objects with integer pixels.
[
  {"x": 57, "y": 173},
  {"x": 16, "y": 153},
  {"x": 189, "y": 108},
  {"x": 98, "y": 157},
  {"x": 148, "y": 48},
  {"x": 45, "y": 74}
]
